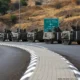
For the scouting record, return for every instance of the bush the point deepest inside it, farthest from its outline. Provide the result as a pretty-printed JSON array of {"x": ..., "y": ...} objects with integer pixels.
[
  {"x": 23, "y": 2},
  {"x": 13, "y": 18},
  {"x": 38, "y": 3},
  {"x": 76, "y": 1},
  {"x": 57, "y": 5}
]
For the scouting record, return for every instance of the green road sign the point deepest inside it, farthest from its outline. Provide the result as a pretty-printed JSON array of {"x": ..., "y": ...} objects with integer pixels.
[{"x": 50, "y": 23}]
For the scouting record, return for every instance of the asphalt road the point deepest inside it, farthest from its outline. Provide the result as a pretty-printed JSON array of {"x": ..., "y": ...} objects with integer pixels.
[
  {"x": 13, "y": 63},
  {"x": 71, "y": 52}
]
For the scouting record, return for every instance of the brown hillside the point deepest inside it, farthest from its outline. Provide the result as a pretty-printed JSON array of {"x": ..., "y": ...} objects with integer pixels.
[{"x": 33, "y": 17}]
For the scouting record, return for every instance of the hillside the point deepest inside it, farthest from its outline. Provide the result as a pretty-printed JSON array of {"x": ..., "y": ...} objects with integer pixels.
[{"x": 33, "y": 17}]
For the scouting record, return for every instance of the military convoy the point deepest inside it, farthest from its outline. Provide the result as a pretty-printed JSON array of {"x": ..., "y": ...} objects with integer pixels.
[
  {"x": 8, "y": 35},
  {"x": 50, "y": 34}
]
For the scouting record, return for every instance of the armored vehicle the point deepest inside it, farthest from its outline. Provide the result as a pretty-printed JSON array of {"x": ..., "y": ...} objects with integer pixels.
[
  {"x": 52, "y": 36},
  {"x": 15, "y": 36},
  {"x": 52, "y": 31},
  {"x": 7, "y": 35},
  {"x": 1, "y": 36},
  {"x": 71, "y": 36},
  {"x": 31, "y": 36},
  {"x": 35, "y": 35},
  {"x": 22, "y": 35}
]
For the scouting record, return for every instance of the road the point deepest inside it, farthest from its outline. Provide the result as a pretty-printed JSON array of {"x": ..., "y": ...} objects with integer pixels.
[
  {"x": 13, "y": 63},
  {"x": 71, "y": 52}
]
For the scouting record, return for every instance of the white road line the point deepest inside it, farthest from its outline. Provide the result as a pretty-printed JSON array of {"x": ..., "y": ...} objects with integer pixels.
[
  {"x": 25, "y": 76},
  {"x": 32, "y": 65},
  {"x": 32, "y": 68}
]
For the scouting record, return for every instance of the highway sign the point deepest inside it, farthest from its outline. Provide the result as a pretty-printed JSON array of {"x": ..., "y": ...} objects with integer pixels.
[{"x": 50, "y": 23}]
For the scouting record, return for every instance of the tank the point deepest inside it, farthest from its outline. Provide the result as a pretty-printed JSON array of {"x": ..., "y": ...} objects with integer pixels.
[
  {"x": 22, "y": 35},
  {"x": 52, "y": 31},
  {"x": 1, "y": 36},
  {"x": 7, "y": 35},
  {"x": 35, "y": 35},
  {"x": 39, "y": 36},
  {"x": 69, "y": 36},
  {"x": 15, "y": 36}
]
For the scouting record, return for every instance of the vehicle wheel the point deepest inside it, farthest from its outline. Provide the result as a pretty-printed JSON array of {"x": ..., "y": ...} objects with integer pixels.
[
  {"x": 24, "y": 40},
  {"x": 3, "y": 40},
  {"x": 66, "y": 42},
  {"x": 33, "y": 40},
  {"x": 41, "y": 40},
  {"x": 17, "y": 40},
  {"x": 51, "y": 41},
  {"x": 46, "y": 41},
  {"x": 78, "y": 42},
  {"x": 59, "y": 42},
  {"x": 10, "y": 39}
]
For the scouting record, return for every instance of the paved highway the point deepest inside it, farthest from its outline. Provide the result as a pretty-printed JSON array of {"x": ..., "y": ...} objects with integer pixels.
[
  {"x": 13, "y": 63},
  {"x": 71, "y": 52}
]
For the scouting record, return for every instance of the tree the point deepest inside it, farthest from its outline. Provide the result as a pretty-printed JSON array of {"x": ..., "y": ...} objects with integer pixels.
[{"x": 4, "y": 6}]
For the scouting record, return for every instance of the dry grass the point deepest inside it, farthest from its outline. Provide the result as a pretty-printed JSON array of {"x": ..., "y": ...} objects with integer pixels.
[{"x": 33, "y": 17}]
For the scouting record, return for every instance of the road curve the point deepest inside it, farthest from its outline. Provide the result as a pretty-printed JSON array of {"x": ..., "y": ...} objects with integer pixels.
[
  {"x": 71, "y": 52},
  {"x": 13, "y": 63}
]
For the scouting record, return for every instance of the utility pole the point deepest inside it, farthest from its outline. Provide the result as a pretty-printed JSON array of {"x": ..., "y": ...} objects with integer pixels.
[{"x": 19, "y": 15}]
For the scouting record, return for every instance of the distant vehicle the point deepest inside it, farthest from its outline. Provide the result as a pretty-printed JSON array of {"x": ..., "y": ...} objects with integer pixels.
[
  {"x": 22, "y": 35},
  {"x": 52, "y": 31},
  {"x": 7, "y": 35},
  {"x": 1, "y": 36},
  {"x": 31, "y": 36},
  {"x": 15, "y": 36},
  {"x": 35, "y": 35},
  {"x": 71, "y": 36}
]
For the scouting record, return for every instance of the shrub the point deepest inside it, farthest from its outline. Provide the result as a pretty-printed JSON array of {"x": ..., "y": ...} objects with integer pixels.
[
  {"x": 13, "y": 18},
  {"x": 57, "y": 5},
  {"x": 38, "y": 3},
  {"x": 23, "y": 2},
  {"x": 76, "y": 1}
]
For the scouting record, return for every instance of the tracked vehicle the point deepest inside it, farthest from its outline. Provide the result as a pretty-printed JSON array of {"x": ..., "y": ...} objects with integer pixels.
[
  {"x": 52, "y": 31},
  {"x": 22, "y": 35},
  {"x": 7, "y": 35},
  {"x": 71, "y": 36},
  {"x": 35, "y": 35}
]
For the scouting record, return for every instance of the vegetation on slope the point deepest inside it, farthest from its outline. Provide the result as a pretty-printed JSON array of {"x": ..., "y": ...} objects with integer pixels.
[{"x": 32, "y": 17}]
